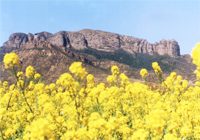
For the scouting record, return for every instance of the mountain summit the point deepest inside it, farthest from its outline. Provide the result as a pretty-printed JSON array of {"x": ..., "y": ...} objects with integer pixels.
[
  {"x": 52, "y": 54},
  {"x": 95, "y": 39}
]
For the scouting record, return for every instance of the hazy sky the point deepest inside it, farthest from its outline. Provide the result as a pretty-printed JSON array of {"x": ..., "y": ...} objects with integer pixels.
[{"x": 150, "y": 20}]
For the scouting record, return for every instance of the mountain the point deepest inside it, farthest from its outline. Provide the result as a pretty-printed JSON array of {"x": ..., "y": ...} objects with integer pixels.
[
  {"x": 52, "y": 54},
  {"x": 99, "y": 40}
]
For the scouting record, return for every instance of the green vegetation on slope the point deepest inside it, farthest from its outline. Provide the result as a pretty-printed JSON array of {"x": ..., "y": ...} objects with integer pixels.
[{"x": 137, "y": 60}]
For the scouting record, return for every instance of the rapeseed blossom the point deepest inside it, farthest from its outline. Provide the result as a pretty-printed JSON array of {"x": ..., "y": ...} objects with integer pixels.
[
  {"x": 110, "y": 78},
  {"x": 156, "y": 68},
  {"x": 10, "y": 59},
  {"x": 20, "y": 75},
  {"x": 196, "y": 59},
  {"x": 77, "y": 69},
  {"x": 115, "y": 70},
  {"x": 90, "y": 81},
  {"x": 75, "y": 108},
  {"x": 143, "y": 73},
  {"x": 37, "y": 76},
  {"x": 195, "y": 56},
  {"x": 30, "y": 72}
]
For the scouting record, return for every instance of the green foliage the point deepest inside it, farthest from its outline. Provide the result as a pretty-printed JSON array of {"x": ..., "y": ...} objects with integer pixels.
[
  {"x": 43, "y": 55},
  {"x": 39, "y": 49},
  {"x": 137, "y": 60}
]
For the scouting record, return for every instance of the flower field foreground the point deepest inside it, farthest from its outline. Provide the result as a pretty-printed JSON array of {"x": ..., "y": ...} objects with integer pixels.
[{"x": 69, "y": 109}]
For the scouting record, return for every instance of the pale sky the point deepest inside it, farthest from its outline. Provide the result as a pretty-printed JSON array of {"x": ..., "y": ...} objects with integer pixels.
[{"x": 150, "y": 20}]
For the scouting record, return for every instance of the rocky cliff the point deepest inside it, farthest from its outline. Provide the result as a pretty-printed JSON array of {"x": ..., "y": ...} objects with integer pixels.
[
  {"x": 99, "y": 40},
  {"x": 52, "y": 54}
]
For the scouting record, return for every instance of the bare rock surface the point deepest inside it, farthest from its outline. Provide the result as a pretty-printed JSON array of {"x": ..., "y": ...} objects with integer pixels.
[
  {"x": 16, "y": 40},
  {"x": 37, "y": 44},
  {"x": 100, "y": 40},
  {"x": 52, "y": 57}
]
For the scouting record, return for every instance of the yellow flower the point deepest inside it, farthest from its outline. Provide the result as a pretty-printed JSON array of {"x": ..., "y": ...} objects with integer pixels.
[
  {"x": 90, "y": 78},
  {"x": 157, "y": 119},
  {"x": 40, "y": 129},
  {"x": 125, "y": 80},
  {"x": 29, "y": 116},
  {"x": 31, "y": 85},
  {"x": 198, "y": 75},
  {"x": 77, "y": 69},
  {"x": 173, "y": 75},
  {"x": 123, "y": 77},
  {"x": 72, "y": 110},
  {"x": 185, "y": 84},
  {"x": 195, "y": 56},
  {"x": 196, "y": 132},
  {"x": 111, "y": 78},
  {"x": 90, "y": 81},
  {"x": 170, "y": 137},
  {"x": 197, "y": 83},
  {"x": 143, "y": 73},
  {"x": 5, "y": 83},
  {"x": 20, "y": 75},
  {"x": 65, "y": 80},
  {"x": 140, "y": 134},
  {"x": 37, "y": 76},
  {"x": 10, "y": 59},
  {"x": 115, "y": 70},
  {"x": 60, "y": 119},
  {"x": 156, "y": 68},
  {"x": 74, "y": 66},
  {"x": 179, "y": 77},
  {"x": 20, "y": 83},
  {"x": 30, "y": 72},
  {"x": 52, "y": 87}
]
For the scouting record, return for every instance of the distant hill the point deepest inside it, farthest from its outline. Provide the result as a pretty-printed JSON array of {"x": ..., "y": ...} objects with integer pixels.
[{"x": 52, "y": 54}]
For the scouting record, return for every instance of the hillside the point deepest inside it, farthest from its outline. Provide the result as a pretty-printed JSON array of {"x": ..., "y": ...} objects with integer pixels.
[{"x": 51, "y": 55}]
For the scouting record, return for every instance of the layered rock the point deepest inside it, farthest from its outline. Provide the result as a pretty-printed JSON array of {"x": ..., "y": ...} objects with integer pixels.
[
  {"x": 38, "y": 44},
  {"x": 169, "y": 47},
  {"x": 16, "y": 40},
  {"x": 60, "y": 39},
  {"x": 99, "y": 40},
  {"x": 74, "y": 40}
]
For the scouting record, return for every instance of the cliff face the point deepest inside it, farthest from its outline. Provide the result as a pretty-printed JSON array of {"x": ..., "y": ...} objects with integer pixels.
[
  {"x": 50, "y": 55},
  {"x": 99, "y": 40}
]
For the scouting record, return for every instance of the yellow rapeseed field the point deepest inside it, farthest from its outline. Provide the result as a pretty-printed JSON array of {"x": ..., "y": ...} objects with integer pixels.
[{"x": 69, "y": 109}]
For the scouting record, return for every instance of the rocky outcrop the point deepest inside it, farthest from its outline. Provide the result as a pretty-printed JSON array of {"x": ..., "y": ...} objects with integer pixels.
[
  {"x": 16, "y": 40},
  {"x": 131, "y": 45},
  {"x": 60, "y": 39},
  {"x": 99, "y": 40},
  {"x": 169, "y": 47},
  {"x": 38, "y": 44},
  {"x": 47, "y": 50},
  {"x": 187, "y": 57},
  {"x": 74, "y": 40}
]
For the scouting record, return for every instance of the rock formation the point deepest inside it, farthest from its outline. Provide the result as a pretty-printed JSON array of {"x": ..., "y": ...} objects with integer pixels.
[
  {"x": 38, "y": 44},
  {"x": 95, "y": 39},
  {"x": 16, "y": 40}
]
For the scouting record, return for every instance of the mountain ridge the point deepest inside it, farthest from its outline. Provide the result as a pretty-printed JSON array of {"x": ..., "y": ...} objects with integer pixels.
[
  {"x": 99, "y": 51},
  {"x": 96, "y": 39}
]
